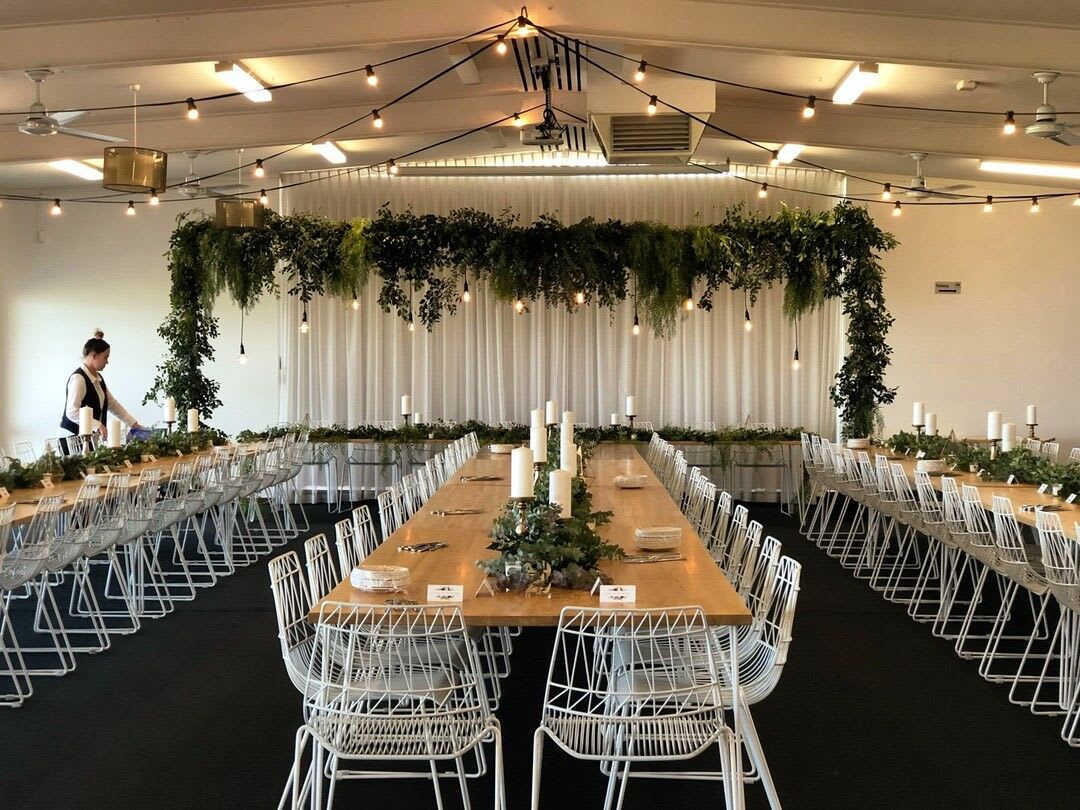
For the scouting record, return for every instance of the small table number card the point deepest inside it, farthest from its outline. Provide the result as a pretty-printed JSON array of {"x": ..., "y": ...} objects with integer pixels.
[
  {"x": 921, "y": 454},
  {"x": 445, "y": 593},
  {"x": 1071, "y": 498},
  {"x": 1011, "y": 479},
  {"x": 1043, "y": 488},
  {"x": 618, "y": 594},
  {"x": 128, "y": 464}
]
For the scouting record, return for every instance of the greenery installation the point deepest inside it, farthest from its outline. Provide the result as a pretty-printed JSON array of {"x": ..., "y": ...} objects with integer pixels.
[{"x": 421, "y": 262}]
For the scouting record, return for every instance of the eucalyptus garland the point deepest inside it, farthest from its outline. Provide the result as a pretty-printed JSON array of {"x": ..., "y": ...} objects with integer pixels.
[{"x": 420, "y": 262}]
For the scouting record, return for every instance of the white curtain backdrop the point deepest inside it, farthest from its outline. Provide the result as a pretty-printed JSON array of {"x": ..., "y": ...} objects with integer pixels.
[{"x": 489, "y": 363}]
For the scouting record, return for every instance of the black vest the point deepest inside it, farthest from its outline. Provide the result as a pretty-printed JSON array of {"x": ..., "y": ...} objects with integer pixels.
[{"x": 100, "y": 409}]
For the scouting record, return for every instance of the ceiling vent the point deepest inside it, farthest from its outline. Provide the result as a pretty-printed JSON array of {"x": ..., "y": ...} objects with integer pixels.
[{"x": 628, "y": 135}]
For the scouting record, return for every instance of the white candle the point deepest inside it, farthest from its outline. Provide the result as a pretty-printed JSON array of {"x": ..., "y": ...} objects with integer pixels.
[
  {"x": 568, "y": 458},
  {"x": 418, "y": 417},
  {"x": 521, "y": 473},
  {"x": 538, "y": 443},
  {"x": 192, "y": 420},
  {"x": 170, "y": 409},
  {"x": 1032, "y": 415},
  {"x": 614, "y": 419},
  {"x": 86, "y": 420},
  {"x": 406, "y": 405},
  {"x": 551, "y": 412},
  {"x": 569, "y": 416},
  {"x": 1008, "y": 436},
  {"x": 931, "y": 424},
  {"x": 559, "y": 490},
  {"x": 536, "y": 418},
  {"x": 993, "y": 424},
  {"x": 918, "y": 414},
  {"x": 631, "y": 406},
  {"x": 114, "y": 433},
  {"x": 566, "y": 435}
]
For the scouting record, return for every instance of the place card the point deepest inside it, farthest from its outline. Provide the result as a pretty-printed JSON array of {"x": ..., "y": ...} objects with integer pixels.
[
  {"x": 47, "y": 482},
  {"x": 4, "y": 493},
  {"x": 1071, "y": 498},
  {"x": 128, "y": 464},
  {"x": 107, "y": 469},
  {"x": 445, "y": 593},
  {"x": 980, "y": 472},
  {"x": 82, "y": 474},
  {"x": 618, "y": 594},
  {"x": 1011, "y": 479},
  {"x": 152, "y": 458},
  {"x": 484, "y": 588},
  {"x": 1043, "y": 488},
  {"x": 178, "y": 454},
  {"x": 921, "y": 454}
]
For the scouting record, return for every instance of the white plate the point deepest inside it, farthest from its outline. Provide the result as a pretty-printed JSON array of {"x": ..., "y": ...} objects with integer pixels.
[
  {"x": 379, "y": 578},
  {"x": 858, "y": 444},
  {"x": 501, "y": 449},
  {"x": 630, "y": 481}
]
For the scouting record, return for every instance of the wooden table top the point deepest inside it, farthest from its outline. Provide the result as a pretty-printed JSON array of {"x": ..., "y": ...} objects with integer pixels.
[
  {"x": 694, "y": 581},
  {"x": 1019, "y": 494}
]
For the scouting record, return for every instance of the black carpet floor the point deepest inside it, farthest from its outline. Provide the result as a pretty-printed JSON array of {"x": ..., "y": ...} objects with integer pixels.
[{"x": 195, "y": 711}]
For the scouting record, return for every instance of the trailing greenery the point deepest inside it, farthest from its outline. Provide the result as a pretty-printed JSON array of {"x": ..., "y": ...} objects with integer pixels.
[{"x": 420, "y": 261}]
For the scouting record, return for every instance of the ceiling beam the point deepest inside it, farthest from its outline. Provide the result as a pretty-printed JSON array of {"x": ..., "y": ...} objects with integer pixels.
[{"x": 465, "y": 68}]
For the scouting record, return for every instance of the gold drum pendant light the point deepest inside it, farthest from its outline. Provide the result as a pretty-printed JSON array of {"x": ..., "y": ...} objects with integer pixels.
[{"x": 135, "y": 169}]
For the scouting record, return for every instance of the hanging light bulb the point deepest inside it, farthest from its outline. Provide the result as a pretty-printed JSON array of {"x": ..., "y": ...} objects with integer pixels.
[
  {"x": 896, "y": 209},
  {"x": 688, "y": 304},
  {"x": 519, "y": 307},
  {"x": 795, "y": 360},
  {"x": 989, "y": 206},
  {"x": 304, "y": 325},
  {"x": 637, "y": 325},
  {"x": 372, "y": 79},
  {"x": 763, "y": 192},
  {"x": 500, "y": 45},
  {"x": 192, "y": 110},
  {"x": 1034, "y": 205},
  {"x": 523, "y": 23},
  {"x": 518, "y": 120},
  {"x": 808, "y": 110},
  {"x": 748, "y": 324},
  {"x": 579, "y": 297},
  {"x": 886, "y": 193},
  {"x": 639, "y": 74},
  {"x": 131, "y": 208},
  {"x": 376, "y": 119},
  {"x": 259, "y": 170},
  {"x": 412, "y": 326},
  {"x": 242, "y": 358},
  {"x": 466, "y": 296},
  {"x": 391, "y": 166},
  {"x": 774, "y": 161},
  {"x": 355, "y": 302},
  {"x": 56, "y": 209},
  {"x": 651, "y": 108},
  {"x": 154, "y": 198},
  {"x": 1010, "y": 124},
  {"x": 1076, "y": 201}
]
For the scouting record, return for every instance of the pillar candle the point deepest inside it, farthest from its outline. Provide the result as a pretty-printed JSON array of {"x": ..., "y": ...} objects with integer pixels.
[
  {"x": 1032, "y": 415},
  {"x": 536, "y": 418},
  {"x": 170, "y": 409},
  {"x": 406, "y": 405},
  {"x": 551, "y": 412},
  {"x": 86, "y": 420},
  {"x": 569, "y": 416},
  {"x": 1008, "y": 436},
  {"x": 114, "y": 433},
  {"x": 192, "y": 420},
  {"x": 418, "y": 417},
  {"x": 566, "y": 436},
  {"x": 631, "y": 406},
  {"x": 559, "y": 490},
  {"x": 538, "y": 443},
  {"x": 918, "y": 414},
  {"x": 614, "y": 419},
  {"x": 931, "y": 424},
  {"x": 568, "y": 458},
  {"x": 993, "y": 424},
  {"x": 521, "y": 473}
]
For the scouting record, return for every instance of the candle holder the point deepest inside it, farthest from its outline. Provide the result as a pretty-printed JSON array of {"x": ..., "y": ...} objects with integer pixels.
[
  {"x": 630, "y": 429},
  {"x": 168, "y": 426},
  {"x": 1031, "y": 429},
  {"x": 520, "y": 507},
  {"x": 994, "y": 448},
  {"x": 919, "y": 430},
  {"x": 87, "y": 443},
  {"x": 405, "y": 418}
]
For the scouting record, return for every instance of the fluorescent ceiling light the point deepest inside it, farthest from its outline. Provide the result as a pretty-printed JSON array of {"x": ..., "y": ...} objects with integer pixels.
[
  {"x": 330, "y": 151},
  {"x": 855, "y": 81},
  {"x": 77, "y": 168},
  {"x": 789, "y": 151},
  {"x": 243, "y": 80},
  {"x": 1034, "y": 169}
]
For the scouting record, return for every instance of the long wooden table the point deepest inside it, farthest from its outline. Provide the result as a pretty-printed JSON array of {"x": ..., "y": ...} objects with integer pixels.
[{"x": 694, "y": 581}]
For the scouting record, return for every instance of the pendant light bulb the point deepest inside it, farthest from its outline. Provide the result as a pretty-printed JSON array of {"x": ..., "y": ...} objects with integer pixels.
[
  {"x": 637, "y": 325},
  {"x": 1076, "y": 201},
  {"x": 466, "y": 296},
  {"x": 989, "y": 206},
  {"x": 774, "y": 161},
  {"x": 372, "y": 79},
  {"x": 748, "y": 324},
  {"x": 639, "y": 74},
  {"x": 519, "y": 307},
  {"x": 763, "y": 192},
  {"x": 192, "y": 110},
  {"x": 376, "y": 119},
  {"x": 651, "y": 108},
  {"x": 688, "y": 304},
  {"x": 1010, "y": 124},
  {"x": 579, "y": 297},
  {"x": 896, "y": 209},
  {"x": 242, "y": 358},
  {"x": 391, "y": 166},
  {"x": 1034, "y": 205},
  {"x": 522, "y": 24},
  {"x": 56, "y": 209},
  {"x": 259, "y": 170},
  {"x": 131, "y": 208},
  {"x": 795, "y": 361},
  {"x": 808, "y": 110},
  {"x": 886, "y": 193},
  {"x": 263, "y": 199},
  {"x": 500, "y": 45},
  {"x": 412, "y": 326},
  {"x": 154, "y": 198},
  {"x": 305, "y": 327},
  {"x": 518, "y": 120}
]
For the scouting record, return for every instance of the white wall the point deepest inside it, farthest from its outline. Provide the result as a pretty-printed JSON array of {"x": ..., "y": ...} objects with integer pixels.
[
  {"x": 1010, "y": 337},
  {"x": 95, "y": 267}
]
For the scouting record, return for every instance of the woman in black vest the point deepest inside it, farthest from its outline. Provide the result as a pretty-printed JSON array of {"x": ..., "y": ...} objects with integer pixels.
[{"x": 86, "y": 387}]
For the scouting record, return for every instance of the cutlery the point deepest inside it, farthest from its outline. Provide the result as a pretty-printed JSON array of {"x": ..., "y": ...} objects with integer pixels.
[
  {"x": 419, "y": 548},
  {"x": 467, "y": 478},
  {"x": 447, "y": 512},
  {"x": 638, "y": 559}
]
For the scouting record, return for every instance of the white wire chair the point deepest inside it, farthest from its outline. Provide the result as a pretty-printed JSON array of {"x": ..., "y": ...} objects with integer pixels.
[
  {"x": 321, "y": 568},
  {"x": 630, "y": 687},
  {"x": 1074, "y": 455},
  {"x": 1050, "y": 450},
  {"x": 364, "y": 530},
  {"x": 292, "y": 603},
  {"x": 388, "y": 518}
]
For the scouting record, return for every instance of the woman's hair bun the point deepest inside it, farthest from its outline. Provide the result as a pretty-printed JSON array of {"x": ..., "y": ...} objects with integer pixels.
[{"x": 98, "y": 334}]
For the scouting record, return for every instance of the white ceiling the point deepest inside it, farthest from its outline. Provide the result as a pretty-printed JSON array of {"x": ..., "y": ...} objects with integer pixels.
[{"x": 169, "y": 48}]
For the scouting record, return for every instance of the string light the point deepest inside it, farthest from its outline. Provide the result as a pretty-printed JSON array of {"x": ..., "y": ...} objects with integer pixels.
[
  {"x": 637, "y": 324},
  {"x": 259, "y": 170},
  {"x": 466, "y": 296},
  {"x": 748, "y": 324},
  {"x": 651, "y": 109},
  {"x": 886, "y": 193},
  {"x": 355, "y": 301},
  {"x": 518, "y": 120},
  {"x": 305, "y": 327},
  {"x": 579, "y": 297},
  {"x": 763, "y": 192},
  {"x": 1010, "y": 123},
  {"x": 500, "y": 45},
  {"x": 523, "y": 23},
  {"x": 1076, "y": 202},
  {"x": 242, "y": 358},
  {"x": 989, "y": 206},
  {"x": 795, "y": 360},
  {"x": 774, "y": 161},
  {"x": 56, "y": 209},
  {"x": 896, "y": 211},
  {"x": 372, "y": 79},
  {"x": 131, "y": 208},
  {"x": 154, "y": 198},
  {"x": 391, "y": 166},
  {"x": 376, "y": 119},
  {"x": 688, "y": 304},
  {"x": 639, "y": 74},
  {"x": 1034, "y": 205},
  {"x": 808, "y": 110},
  {"x": 192, "y": 110}
]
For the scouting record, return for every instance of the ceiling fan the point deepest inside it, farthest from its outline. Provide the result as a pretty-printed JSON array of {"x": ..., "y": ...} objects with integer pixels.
[
  {"x": 39, "y": 122},
  {"x": 917, "y": 189},
  {"x": 1046, "y": 124},
  {"x": 192, "y": 186}
]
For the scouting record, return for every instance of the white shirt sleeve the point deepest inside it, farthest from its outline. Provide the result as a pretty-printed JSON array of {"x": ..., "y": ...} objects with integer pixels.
[
  {"x": 76, "y": 391},
  {"x": 120, "y": 412}
]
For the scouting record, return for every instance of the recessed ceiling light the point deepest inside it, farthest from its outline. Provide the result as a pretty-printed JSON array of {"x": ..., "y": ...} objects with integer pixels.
[
  {"x": 330, "y": 151},
  {"x": 789, "y": 151},
  {"x": 243, "y": 80},
  {"x": 77, "y": 168},
  {"x": 1033, "y": 169},
  {"x": 860, "y": 76}
]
